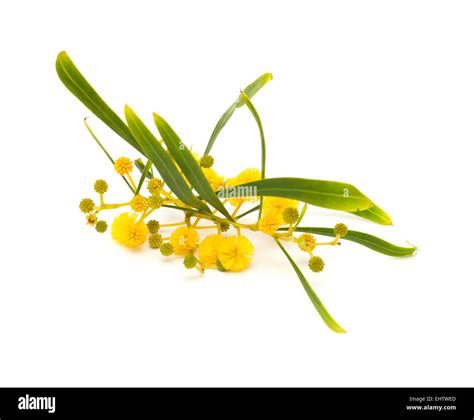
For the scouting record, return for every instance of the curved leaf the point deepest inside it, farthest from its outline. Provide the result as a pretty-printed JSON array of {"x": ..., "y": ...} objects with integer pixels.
[
  {"x": 254, "y": 112},
  {"x": 325, "y": 315},
  {"x": 186, "y": 161},
  {"x": 82, "y": 90},
  {"x": 254, "y": 87},
  {"x": 250, "y": 91},
  {"x": 328, "y": 194},
  {"x": 370, "y": 241},
  {"x": 162, "y": 160}
]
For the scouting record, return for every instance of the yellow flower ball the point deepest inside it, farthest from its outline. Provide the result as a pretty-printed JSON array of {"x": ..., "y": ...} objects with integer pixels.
[
  {"x": 184, "y": 240},
  {"x": 139, "y": 203},
  {"x": 214, "y": 179},
  {"x": 306, "y": 242},
  {"x": 249, "y": 175},
  {"x": 269, "y": 224},
  {"x": 155, "y": 185},
  {"x": 128, "y": 232},
  {"x": 123, "y": 165},
  {"x": 276, "y": 206},
  {"x": 208, "y": 250},
  {"x": 235, "y": 253}
]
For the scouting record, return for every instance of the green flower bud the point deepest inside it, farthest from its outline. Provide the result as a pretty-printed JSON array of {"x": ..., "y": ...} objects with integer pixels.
[
  {"x": 206, "y": 161},
  {"x": 190, "y": 261},
  {"x": 316, "y": 264},
  {"x": 155, "y": 240},
  {"x": 166, "y": 249},
  {"x": 153, "y": 226},
  {"x": 87, "y": 205},
  {"x": 101, "y": 226},
  {"x": 290, "y": 215},
  {"x": 155, "y": 201},
  {"x": 224, "y": 226},
  {"x": 340, "y": 229},
  {"x": 100, "y": 186}
]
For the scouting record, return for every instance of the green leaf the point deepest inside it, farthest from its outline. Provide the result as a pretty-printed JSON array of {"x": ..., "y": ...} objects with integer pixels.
[
  {"x": 300, "y": 217},
  {"x": 145, "y": 171},
  {"x": 327, "y": 318},
  {"x": 361, "y": 238},
  {"x": 375, "y": 214},
  {"x": 250, "y": 91},
  {"x": 80, "y": 87},
  {"x": 190, "y": 168},
  {"x": 328, "y": 194},
  {"x": 141, "y": 167},
  {"x": 254, "y": 112},
  {"x": 162, "y": 161},
  {"x": 254, "y": 87}
]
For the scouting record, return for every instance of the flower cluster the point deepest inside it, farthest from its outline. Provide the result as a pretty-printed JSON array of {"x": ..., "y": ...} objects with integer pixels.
[
  {"x": 214, "y": 211},
  {"x": 224, "y": 249}
]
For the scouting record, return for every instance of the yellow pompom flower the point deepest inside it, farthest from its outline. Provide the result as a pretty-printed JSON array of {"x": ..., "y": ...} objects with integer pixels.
[
  {"x": 248, "y": 175},
  {"x": 269, "y": 224},
  {"x": 129, "y": 232},
  {"x": 139, "y": 203},
  {"x": 184, "y": 240},
  {"x": 276, "y": 206},
  {"x": 123, "y": 165},
  {"x": 214, "y": 179},
  {"x": 155, "y": 185},
  {"x": 235, "y": 253},
  {"x": 306, "y": 242},
  {"x": 208, "y": 250}
]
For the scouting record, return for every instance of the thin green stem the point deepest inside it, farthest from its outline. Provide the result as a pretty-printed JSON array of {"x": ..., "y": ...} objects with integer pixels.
[
  {"x": 247, "y": 212},
  {"x": 104, "y": 150},
  {"x": 254, "y": 112}
]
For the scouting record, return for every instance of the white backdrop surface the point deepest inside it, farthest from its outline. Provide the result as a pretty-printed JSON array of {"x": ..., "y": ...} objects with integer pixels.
[{"x": 378, "y": 94}]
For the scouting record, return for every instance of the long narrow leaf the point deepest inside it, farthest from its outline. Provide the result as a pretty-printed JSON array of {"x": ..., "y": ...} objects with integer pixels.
[
  {"x": 327, "y": 318},
  {"x": 162, "y": 161},
  {"x": 254, "y": 112},
  {"x": 328, "y": 194},
  {"x": 370, "y": 241},
  {"x": 141, "y": 167},
  {"x": 250, "y": 91},
  {"x": 188, "y": 165},
  {"x": 143, "y": 176},
  {"x": 300, "y": 217},
  {"x": 80, "y": 87},
  {"x": 254, "y": 87}
]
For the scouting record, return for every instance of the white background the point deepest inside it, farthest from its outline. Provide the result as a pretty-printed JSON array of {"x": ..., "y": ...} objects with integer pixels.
[{"x": 378, "y": 94}]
